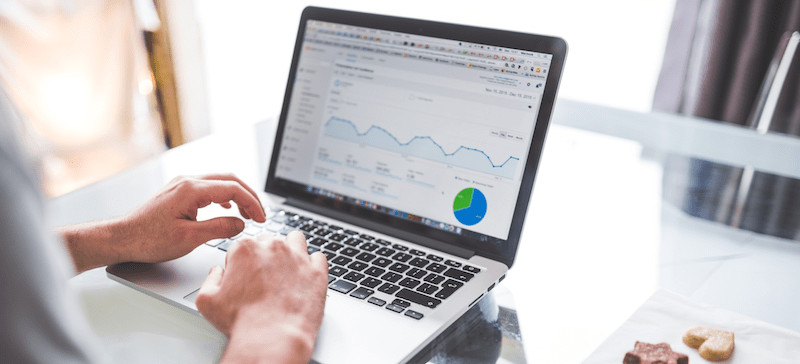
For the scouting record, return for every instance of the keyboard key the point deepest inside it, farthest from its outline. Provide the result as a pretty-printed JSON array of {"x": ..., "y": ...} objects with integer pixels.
[
  {"x": 385, "y": 252},
  {"x": 471, "y": 269},
  {"x": 369, "y": 247},
  {"x": 445, "y": 292},
  {"x": 401, "y": 303},
  {"x": 342, "y": 286},
  {"x": 214, "y": 242},
  {"x": 435, "y": 258},
  {"x": 329, "y": 255},
  {"x": 358, "y": 266},
  {"x": 400, "y": 247},
  {"x": 416, "y": 252},
  {"x": 428, "y": 289},
  {"x": 402, "y": 257},
  {"x": 375, "y": 271},
  {"x": 331, "y": 278},
  {"x": 459, "y": 274},
  {"x": 419, "y": 262},
  {"x": 333, "y": 246},
  {"x": 452, "y": 284},
  {"x": 382, "y": 262},
  {"x": 225, "y": 245},
  {"x": 436, "y": 268},
  {"x": 334, "y": 227},
  {"x": 362, "y": 293},
  {"x": 370, "y": 282},
  {"x": 416, "y": 273},
  {"x": 340, "y": 260},
  {"x": 409, "y": 282},
  {"x": 280, "y": 218},
  {"x": 434, "y": 278},
  {"x": 379, "y": 241},
  {"x": 452, "y": 263},
  {"x": 366, "y": 237},
  {"x": 376, "y": 301},
  {"x": 418, "y": 298},
  {"x": 312, "y": 249},
  {"x": 353, "y": 276},
  {"x": 349, "y": 251},
  {"x": 394, "y": 308},
  {"x": 337, "y": 237},
  {"x": 317, "y": 241},
  {"x": 398, "y": 267},
  {"x": 337, "y": 271},
  {"x": 352, "y": 241},
  {"x": 392, "y": 277},
  {"x": 350, "y": 232},
  {"x": 413, "y": 314},
  {"x": 365, "y": 257},
  {"x": 388, "y": 288},
  {"x": 322, "y": 232}
]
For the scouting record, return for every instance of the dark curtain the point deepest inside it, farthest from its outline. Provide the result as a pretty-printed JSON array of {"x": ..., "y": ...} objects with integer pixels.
[{"x": 717, "y": 57}]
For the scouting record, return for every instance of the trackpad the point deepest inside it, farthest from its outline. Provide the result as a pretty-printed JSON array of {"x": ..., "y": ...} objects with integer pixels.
[{"x": 191, "y": 297}]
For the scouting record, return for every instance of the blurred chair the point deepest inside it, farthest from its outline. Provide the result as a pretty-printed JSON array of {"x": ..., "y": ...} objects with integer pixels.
[{"x": 733, "y": 62}]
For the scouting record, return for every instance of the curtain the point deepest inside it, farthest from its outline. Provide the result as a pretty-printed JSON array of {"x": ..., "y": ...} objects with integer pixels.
[{"x": 717, "y": 57}]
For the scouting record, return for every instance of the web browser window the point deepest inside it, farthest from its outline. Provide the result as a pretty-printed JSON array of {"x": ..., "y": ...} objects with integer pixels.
[{"x": 430, "y": 130}]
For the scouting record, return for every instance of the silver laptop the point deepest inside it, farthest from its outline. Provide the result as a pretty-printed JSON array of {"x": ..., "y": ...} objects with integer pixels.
[{"x": 406, "y": 152}]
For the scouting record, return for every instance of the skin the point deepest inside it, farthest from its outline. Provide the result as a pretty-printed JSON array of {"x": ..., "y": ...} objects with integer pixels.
[{"x": 268, "y": 299}]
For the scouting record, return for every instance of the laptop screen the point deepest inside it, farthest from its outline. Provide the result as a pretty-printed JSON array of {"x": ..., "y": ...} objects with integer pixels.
[{"x": 432, "y": 131}]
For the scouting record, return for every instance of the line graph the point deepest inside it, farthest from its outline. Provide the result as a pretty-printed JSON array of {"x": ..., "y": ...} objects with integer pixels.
[{"x": 421, "y": 146}]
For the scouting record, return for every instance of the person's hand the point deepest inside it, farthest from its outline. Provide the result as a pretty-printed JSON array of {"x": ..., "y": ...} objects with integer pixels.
[
  {"x": 165, "y": 227},
  {"x": 268, "y": 299}
]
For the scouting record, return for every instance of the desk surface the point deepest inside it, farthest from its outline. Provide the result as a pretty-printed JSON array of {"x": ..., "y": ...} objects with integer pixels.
[{"x": 599, "y": 237}]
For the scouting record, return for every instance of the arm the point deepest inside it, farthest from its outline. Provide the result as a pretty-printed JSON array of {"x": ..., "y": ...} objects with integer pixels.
[
  {"x": 269, "y": 300},
  {"x": 165, "y": 227}
]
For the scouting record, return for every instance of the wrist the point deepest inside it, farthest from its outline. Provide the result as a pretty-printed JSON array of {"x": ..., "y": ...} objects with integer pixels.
[
  {"x": 255, "y": 337},
  {"x": 95, "y": 244}
]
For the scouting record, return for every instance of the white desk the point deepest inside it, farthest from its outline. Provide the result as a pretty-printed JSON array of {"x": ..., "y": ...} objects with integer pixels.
[{"x": 598, "y": 239}]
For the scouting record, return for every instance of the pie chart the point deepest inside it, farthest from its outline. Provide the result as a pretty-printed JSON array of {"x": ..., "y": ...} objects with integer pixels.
[{"x": 469, "y": 206}]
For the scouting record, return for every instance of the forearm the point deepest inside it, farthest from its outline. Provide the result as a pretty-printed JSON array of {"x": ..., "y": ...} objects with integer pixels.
[{"x": 94, "y": 244}]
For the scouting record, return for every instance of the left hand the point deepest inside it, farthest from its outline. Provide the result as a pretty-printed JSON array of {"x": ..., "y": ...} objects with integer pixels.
[{"x": 166, "y": 226}]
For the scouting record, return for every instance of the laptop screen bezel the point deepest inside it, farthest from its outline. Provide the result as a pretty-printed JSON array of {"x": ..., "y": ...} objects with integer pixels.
[{"x": 499, "y": 249}]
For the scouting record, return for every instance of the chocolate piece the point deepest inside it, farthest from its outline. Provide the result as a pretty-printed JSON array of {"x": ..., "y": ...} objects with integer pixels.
[{"x": 644, "y": 353}]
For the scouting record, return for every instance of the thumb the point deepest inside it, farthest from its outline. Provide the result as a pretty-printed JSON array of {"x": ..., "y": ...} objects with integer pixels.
[
  {"x": 210, "y": 286},
  {"x": 217, "y": 228}
]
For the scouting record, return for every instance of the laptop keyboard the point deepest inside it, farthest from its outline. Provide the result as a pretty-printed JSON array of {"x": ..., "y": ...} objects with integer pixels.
[{"x": 359, "y": 265}]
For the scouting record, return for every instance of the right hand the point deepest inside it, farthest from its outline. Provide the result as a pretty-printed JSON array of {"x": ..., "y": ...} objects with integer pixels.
[{"x": 270, "y": 296}]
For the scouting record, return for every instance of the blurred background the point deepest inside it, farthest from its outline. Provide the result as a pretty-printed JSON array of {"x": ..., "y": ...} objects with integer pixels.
[{"x": 105, "y": 85}]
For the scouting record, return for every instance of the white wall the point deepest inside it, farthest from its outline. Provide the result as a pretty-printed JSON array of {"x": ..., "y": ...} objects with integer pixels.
[{"x": 615, "y": 46}]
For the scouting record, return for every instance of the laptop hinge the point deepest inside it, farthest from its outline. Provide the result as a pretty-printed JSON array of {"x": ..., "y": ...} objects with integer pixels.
[{"x": 381, "y": 228}]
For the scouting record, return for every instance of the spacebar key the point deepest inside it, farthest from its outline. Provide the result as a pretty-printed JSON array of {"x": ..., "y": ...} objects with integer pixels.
[{"x": 417, "y": 298}]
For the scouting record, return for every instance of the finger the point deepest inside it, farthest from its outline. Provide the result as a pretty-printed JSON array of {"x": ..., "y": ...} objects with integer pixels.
[
  {"x": 216, "y": 228},
  {"x": 226, "y": 205},
  {"x": 320, "y": 263},
  {"x": 205, "y": 192},
  {"x": 297, "y": 242},
  {"x": 213, "y": 282},
  {"x": 233, "y": 178}
]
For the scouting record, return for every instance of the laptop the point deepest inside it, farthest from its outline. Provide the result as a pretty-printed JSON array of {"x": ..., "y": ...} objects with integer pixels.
[{"x": 406, "y": 152}]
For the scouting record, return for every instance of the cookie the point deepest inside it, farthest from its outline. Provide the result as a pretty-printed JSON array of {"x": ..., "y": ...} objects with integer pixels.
[
  {"x": 712, "y": 344},
  {"x": 644, "y": 353}
]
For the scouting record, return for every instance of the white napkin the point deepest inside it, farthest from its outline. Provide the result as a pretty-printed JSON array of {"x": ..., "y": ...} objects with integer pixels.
[{"x": 665, "y": 316}]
